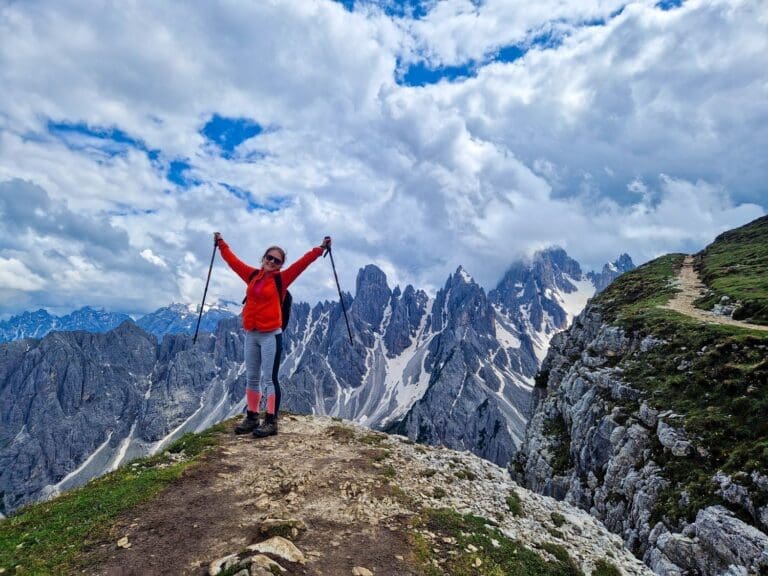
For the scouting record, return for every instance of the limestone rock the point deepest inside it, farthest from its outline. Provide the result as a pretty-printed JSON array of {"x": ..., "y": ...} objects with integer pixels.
[{"x": 279, "y": 546}]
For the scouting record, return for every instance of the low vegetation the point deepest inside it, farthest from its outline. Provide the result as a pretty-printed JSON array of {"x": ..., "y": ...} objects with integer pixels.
[
  {"x": 48, "y": 537},
  {"x": 605, "y": 568},
  {"x": 515, "y": 504},
  {"x": 446, "y": 542}
]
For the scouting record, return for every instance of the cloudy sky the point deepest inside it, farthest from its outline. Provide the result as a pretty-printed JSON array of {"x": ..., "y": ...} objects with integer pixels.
[{"x": 420, "y": 135}]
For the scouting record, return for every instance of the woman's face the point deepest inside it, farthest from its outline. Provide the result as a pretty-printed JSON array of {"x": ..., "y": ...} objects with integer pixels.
[{"x": 272, "y": 260}]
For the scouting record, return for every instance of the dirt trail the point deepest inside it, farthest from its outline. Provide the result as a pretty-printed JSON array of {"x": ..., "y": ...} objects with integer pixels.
[
  {"x": 691, "y": 288},
  {"x": 356, "y": 491}
]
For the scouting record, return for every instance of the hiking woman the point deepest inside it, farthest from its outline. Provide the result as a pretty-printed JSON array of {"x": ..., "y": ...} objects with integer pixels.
[{"x": 262, "y": 321}]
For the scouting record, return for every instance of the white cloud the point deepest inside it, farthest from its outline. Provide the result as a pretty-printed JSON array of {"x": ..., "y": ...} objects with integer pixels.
[
  {"x": 14, "y": 275},
  {"x": 644, "y": 134},
  {"x": 149, "y": 256}
]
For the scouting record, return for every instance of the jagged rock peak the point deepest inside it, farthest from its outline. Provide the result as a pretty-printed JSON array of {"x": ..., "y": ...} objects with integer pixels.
[
  {"x": 372, "y": 295},
  {"x": 370, "y": 276},
  {"x": 623, "y": 263},
  {"x": 550, "y": 264}
]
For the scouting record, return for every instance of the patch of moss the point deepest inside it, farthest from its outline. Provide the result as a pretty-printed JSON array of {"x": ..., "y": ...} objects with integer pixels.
[
  {"x": 482, "y": 548},
  {"x": 388, "y": 471},
  {"x": 465, "y": 475},
  {"x": 605, "y": 568},
  {"x": 557, "y": 519},
  {"x": 514, "y": 503},
  {"x": 341, "y": 432},
  {"x": 372, "y": 439}
]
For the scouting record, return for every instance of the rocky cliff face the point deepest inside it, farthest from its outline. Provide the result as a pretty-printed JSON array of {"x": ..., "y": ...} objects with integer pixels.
[
  {"x": 77, "y": 404},
  {"x": 635, "y": 420}
]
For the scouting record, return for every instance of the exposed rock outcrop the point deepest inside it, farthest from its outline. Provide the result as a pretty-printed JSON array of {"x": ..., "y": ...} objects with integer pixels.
[{"x": 596, "y": 441}]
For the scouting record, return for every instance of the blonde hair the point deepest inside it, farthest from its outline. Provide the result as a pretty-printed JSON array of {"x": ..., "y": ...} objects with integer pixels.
[{"x": 268, "y": 250}]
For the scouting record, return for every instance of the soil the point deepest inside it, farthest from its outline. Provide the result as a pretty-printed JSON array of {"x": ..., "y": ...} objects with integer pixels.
[
  {"x": 216, "y": 508},
  {"x": 691, "y": 288}
]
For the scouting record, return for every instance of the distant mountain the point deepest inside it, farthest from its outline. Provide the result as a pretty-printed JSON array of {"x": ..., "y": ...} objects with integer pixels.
[
  {"x": 182, "y": 319},
  {"x": 611, "y": 271},
  {"x": 173, "y": 319},
  {"x": 38, "y": 324},
  {"x": 456, "y": 369}
]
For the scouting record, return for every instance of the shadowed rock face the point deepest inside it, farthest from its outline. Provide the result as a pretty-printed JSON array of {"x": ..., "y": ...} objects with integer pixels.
[{"x": 78, "y": 404}]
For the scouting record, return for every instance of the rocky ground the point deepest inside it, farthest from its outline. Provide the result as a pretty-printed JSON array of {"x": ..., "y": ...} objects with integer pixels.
[{"x": 328, "y": 497}]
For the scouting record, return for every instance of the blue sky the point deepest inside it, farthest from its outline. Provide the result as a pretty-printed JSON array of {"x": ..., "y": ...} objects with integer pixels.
[{"x": 420, "y": 135}]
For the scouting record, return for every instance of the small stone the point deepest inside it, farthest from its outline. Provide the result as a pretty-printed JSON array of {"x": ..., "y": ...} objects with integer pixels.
[
  {"x": 400, "y": 558},
  {"x": 478, "y": 563},
  {"x": 281, "y": 547},
  {"x": 123, "y": 542},
  {"x": 360, "y": 571}
]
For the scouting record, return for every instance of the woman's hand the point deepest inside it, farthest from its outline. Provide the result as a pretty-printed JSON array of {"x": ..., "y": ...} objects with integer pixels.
[
  {"x": 326, "y": 245},
  {"x": 216, "y": 238}
]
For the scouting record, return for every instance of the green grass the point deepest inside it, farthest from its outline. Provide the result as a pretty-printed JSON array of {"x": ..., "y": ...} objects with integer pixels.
[
  {"x": 605, "y": 568},
  {"x": 438, "y": 492},
  {"x": 735, "y": 265},
  {"x": 474, "y": 539},
  {"x": 372, "y": 439},
  {"x": 341, "y": 432},
  {"x": 557, "y": 519},
  {"x": 465, "y": 475},
  {"x": 635, "y": 293},
  {"x": 48, "y": 538},
  {"x": 514, "y": 504}
]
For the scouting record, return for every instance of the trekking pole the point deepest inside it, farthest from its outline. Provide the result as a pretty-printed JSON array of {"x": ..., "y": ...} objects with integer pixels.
[
  {"x": 341, "y": 298},
  {"x": 200, "y": 315}
]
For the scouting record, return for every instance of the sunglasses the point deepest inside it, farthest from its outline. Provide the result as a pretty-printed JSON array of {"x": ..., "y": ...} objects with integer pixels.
[{"x": 270, "y": 258}]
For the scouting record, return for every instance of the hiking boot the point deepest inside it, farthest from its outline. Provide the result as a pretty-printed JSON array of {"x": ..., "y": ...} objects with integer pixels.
[
  {"x": 267, "y": 428},
  {"x": 248, "y": 424}
]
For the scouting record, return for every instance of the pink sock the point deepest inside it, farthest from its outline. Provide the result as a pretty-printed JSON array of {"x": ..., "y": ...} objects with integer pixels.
[
  {"x": 271, "y": 404},
  {"x": 253, "y": 398}
]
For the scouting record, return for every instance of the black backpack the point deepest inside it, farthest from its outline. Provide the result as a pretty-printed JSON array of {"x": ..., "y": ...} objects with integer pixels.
[{"x": 285, "y": 301}]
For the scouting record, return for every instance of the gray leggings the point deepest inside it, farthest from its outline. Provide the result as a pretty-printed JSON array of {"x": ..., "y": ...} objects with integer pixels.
[{"x": 262, "y": 362}]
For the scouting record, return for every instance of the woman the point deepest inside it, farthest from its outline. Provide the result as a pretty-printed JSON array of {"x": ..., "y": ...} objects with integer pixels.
[{"x": 262, "y": 321}]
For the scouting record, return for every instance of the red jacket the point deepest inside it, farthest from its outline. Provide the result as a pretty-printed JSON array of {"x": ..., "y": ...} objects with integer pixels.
[{"x": 262, "y": 310}]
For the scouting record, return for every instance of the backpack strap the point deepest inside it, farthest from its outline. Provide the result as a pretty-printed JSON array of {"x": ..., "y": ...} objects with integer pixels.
[{"x": 279, "y": 282}]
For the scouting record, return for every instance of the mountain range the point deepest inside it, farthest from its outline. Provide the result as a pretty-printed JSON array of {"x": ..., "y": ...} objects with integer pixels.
[
  {"x": 77, "y": 404},
  {"x": 172, "y": 319}
]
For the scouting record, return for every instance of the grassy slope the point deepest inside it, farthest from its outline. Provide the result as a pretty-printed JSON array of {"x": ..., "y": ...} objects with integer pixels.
[
  {"x": 716, "y": 376},
  {"x": 48, "y": 537},
  {"x": 735, "y": 265}
]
